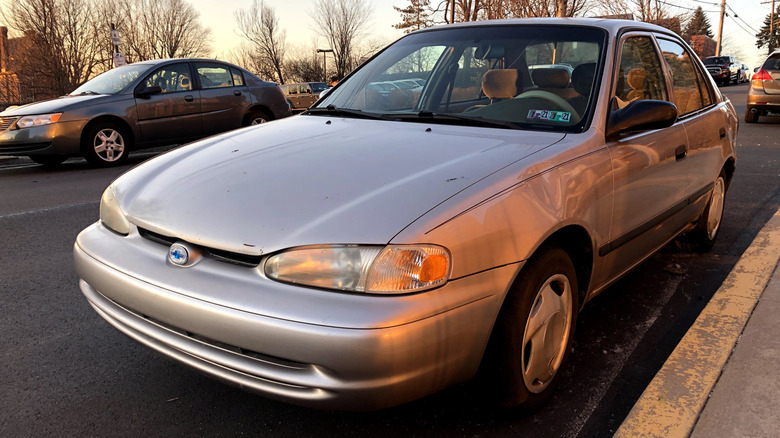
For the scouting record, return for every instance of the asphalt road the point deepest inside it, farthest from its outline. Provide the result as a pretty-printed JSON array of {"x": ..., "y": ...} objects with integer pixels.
[{"x": 66, "y": 372}]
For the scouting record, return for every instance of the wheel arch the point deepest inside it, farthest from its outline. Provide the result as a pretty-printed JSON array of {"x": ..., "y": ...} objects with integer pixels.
[
  {"x": 728, "y": 168},
  {"x": 577, "y": 243}
]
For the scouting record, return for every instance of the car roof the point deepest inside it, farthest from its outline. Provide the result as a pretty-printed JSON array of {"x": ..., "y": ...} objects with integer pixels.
[{"x": 609, "y": 24}]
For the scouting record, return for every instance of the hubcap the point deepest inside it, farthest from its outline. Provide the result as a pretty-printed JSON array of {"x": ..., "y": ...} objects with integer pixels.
[
  {"x": 109, "y": 145},
  {"x": 547, "y": 333},
  {"x": 258, "y": 121},
  {"x": 715, "y": 213}
]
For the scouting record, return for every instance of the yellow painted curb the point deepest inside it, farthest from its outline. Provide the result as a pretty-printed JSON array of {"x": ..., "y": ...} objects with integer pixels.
[{"x": 671, "y": 404}]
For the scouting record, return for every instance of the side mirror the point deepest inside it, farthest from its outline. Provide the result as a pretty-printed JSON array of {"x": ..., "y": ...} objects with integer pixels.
[
  {"x": 640, "y": 115},
  {"x": 148, "y": 91},
  {"x": 755, "y": 70}
]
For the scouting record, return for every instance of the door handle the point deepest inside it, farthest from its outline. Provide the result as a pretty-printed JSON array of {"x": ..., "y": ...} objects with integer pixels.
[
  {"x": 722, "y": 132},
  {"x": 189, "y": 98},
  {"x": 236, "y": 92},
  {"x": 680, "y": 152}
]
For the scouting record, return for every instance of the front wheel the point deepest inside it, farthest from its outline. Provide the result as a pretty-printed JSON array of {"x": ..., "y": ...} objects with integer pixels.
[
  {"x": 106, "y": 144},
  {"x": 533, "y": 333}
]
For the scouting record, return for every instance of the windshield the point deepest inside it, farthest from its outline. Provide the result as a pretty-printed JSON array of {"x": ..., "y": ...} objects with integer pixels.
[
  {"x": 112, "y": 81},
  {"x": 529, "y": 76},
  {"x": 316, "y": 87}
]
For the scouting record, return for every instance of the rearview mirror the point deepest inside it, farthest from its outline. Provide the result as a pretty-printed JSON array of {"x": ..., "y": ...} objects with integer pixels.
[
  {"x": 640, "y": 115},
  {"x": 148, "y": 91}
]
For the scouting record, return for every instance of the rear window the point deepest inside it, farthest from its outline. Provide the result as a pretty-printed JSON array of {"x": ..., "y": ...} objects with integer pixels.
[
  {"x": 772, "y": 63},
  {"x": 717, "y": 60}
]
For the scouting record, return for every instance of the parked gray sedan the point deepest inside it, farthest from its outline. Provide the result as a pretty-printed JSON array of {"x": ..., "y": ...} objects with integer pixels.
[
  {"x": 376, "y": 249},
  {"x": 140, "y": 105}
]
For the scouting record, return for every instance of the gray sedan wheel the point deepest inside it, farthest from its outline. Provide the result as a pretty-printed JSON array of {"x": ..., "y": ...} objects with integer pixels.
[
  {"x": 256, "y": 118},
  {"x": 106, "y": 145},
  {"x": 533, "y": 334}
]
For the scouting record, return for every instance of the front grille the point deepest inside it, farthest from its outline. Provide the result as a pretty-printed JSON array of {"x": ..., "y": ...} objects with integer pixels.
[
  {"x": 6, "y": 122},
  {"x": 215, "y": 253}
]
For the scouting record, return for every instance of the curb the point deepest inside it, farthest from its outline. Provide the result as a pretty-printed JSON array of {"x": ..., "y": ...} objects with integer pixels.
[{"x": 671, "y": 404}]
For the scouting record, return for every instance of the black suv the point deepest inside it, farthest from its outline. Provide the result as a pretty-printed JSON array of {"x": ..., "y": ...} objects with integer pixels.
[{"x": 724, "y": 69}]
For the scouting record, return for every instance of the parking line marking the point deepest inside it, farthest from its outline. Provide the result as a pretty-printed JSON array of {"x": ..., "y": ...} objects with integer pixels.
[{"x": 671, "y": 404}]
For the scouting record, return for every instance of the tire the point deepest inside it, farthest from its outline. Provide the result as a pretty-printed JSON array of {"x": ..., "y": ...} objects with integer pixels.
[
  {"x": 48, "y": 160},
  {"x": 703, "y": 236},
  {"x": 751, "y": 117},
  {"x": 533, "y": 333},
  {"x": 106, "y": 144},
  {"x": 255, "y": 118}
]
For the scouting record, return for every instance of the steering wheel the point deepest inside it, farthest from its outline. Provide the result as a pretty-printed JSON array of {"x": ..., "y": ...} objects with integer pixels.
[{"x": 553, "y": 99}]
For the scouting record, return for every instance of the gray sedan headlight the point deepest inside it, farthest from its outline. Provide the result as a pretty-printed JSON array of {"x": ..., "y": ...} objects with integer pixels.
[
  {"x": 111, "y": 215},
  {"x": 392, "y": 269},
  {"x": 38, "y": 120}
]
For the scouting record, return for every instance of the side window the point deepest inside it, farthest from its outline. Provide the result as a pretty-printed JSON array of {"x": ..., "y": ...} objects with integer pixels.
[
  {"x": 238, "y": 79},
  {"x": 171, "y": 78},
  {"x": 213, "y": 76},
  {"x": 640, "y": 74},
  {"x": 688, "y": 93}
]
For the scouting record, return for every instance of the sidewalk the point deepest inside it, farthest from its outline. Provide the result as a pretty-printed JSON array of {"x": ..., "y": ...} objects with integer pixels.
[{"x": 722, "y": 378}]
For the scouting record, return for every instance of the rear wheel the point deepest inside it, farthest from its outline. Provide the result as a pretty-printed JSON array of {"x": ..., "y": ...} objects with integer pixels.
[
  {"x": 106, "y": 144},
  {"x": 751, "y": 117},
  {"x": 255, "y": 118},
  {"x": 707, "y": 228},
  {"x": 533, "y": 333},
  {"x": 48, "y": 160}
]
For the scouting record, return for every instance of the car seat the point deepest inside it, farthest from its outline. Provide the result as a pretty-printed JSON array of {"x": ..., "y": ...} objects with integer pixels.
[{"x": 553, "y": 80}]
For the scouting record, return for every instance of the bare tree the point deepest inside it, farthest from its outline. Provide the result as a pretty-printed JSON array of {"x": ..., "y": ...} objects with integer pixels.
[
  {"x": 62, "y": 44},
  {"x": 342, "y": 23},
  {"x": 259, "y": 25},
  {"x": 154, "y": 29}
]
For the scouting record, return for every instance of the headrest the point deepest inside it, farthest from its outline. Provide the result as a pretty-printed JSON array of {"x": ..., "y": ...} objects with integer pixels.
[
  {"x": 500, "y": 84},
  {"x": 636, "y": 78},
  {"x": 582, "y": 78},
  {"x": 488, "y": 50},
  {"x": 550, "y": 77}
]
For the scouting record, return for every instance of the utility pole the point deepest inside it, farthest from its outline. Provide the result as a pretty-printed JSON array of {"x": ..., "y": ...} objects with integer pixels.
[
  {"x": 559, "y": 7},
  {"x": 720, "y": 26},
  {"x": 772, "y": 28}
]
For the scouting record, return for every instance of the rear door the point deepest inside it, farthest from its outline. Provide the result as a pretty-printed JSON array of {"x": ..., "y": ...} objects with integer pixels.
[
  {"x": 174, "y": 115},
  {"x": 225, "y": 97}
]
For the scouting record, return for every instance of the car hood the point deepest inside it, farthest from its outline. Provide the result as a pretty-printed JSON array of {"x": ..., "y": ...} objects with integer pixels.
[
  {"x": 313, "y": 180},
  {"x": 52, "y": 106}
]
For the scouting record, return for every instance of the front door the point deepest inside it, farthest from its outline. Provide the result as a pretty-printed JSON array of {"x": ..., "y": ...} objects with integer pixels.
[
  {"x": 650, "y": 167},
  {"x": 174, "y": 115}
]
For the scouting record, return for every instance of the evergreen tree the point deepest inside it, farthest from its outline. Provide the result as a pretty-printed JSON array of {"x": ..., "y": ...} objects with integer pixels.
[
  {"x": 763, "y": 38},
  {"x": 415, "y": 16},
  {"x": 699, "y": 24}
]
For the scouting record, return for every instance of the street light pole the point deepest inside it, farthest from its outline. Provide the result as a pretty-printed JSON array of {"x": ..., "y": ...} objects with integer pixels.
[{"x": 325, "y": 63}]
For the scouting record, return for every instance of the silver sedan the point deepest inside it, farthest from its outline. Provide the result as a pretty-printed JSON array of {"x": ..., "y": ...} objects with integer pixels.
[{"x": 379, "y": 248}]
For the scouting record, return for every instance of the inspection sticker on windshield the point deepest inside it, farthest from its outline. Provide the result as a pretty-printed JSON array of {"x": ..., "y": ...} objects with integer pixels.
[{"x": 549, "y": 116}]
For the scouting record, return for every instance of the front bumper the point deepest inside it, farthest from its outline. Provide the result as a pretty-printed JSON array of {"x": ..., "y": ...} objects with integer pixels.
[
  {"x": 61, "y": 138},
  {"x": 314, "y": 348}
]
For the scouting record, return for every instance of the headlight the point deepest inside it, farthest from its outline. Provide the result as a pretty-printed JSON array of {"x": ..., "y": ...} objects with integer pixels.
[
  {"x": 392, "y": 269},
  {"x": 111, "y": 215},
  {"x": 41, "y": 119}
]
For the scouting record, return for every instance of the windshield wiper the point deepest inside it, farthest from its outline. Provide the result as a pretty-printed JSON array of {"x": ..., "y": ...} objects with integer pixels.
[
  {"x": 87, "y": 93},
  {"x": 425, "y": 115},
  {"x": 348, "y": 112}
]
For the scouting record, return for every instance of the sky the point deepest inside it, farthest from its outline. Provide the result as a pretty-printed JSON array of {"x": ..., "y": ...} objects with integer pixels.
[
  {"x": 745, "y": 18},
  {"x": 739, "y": 31}
]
